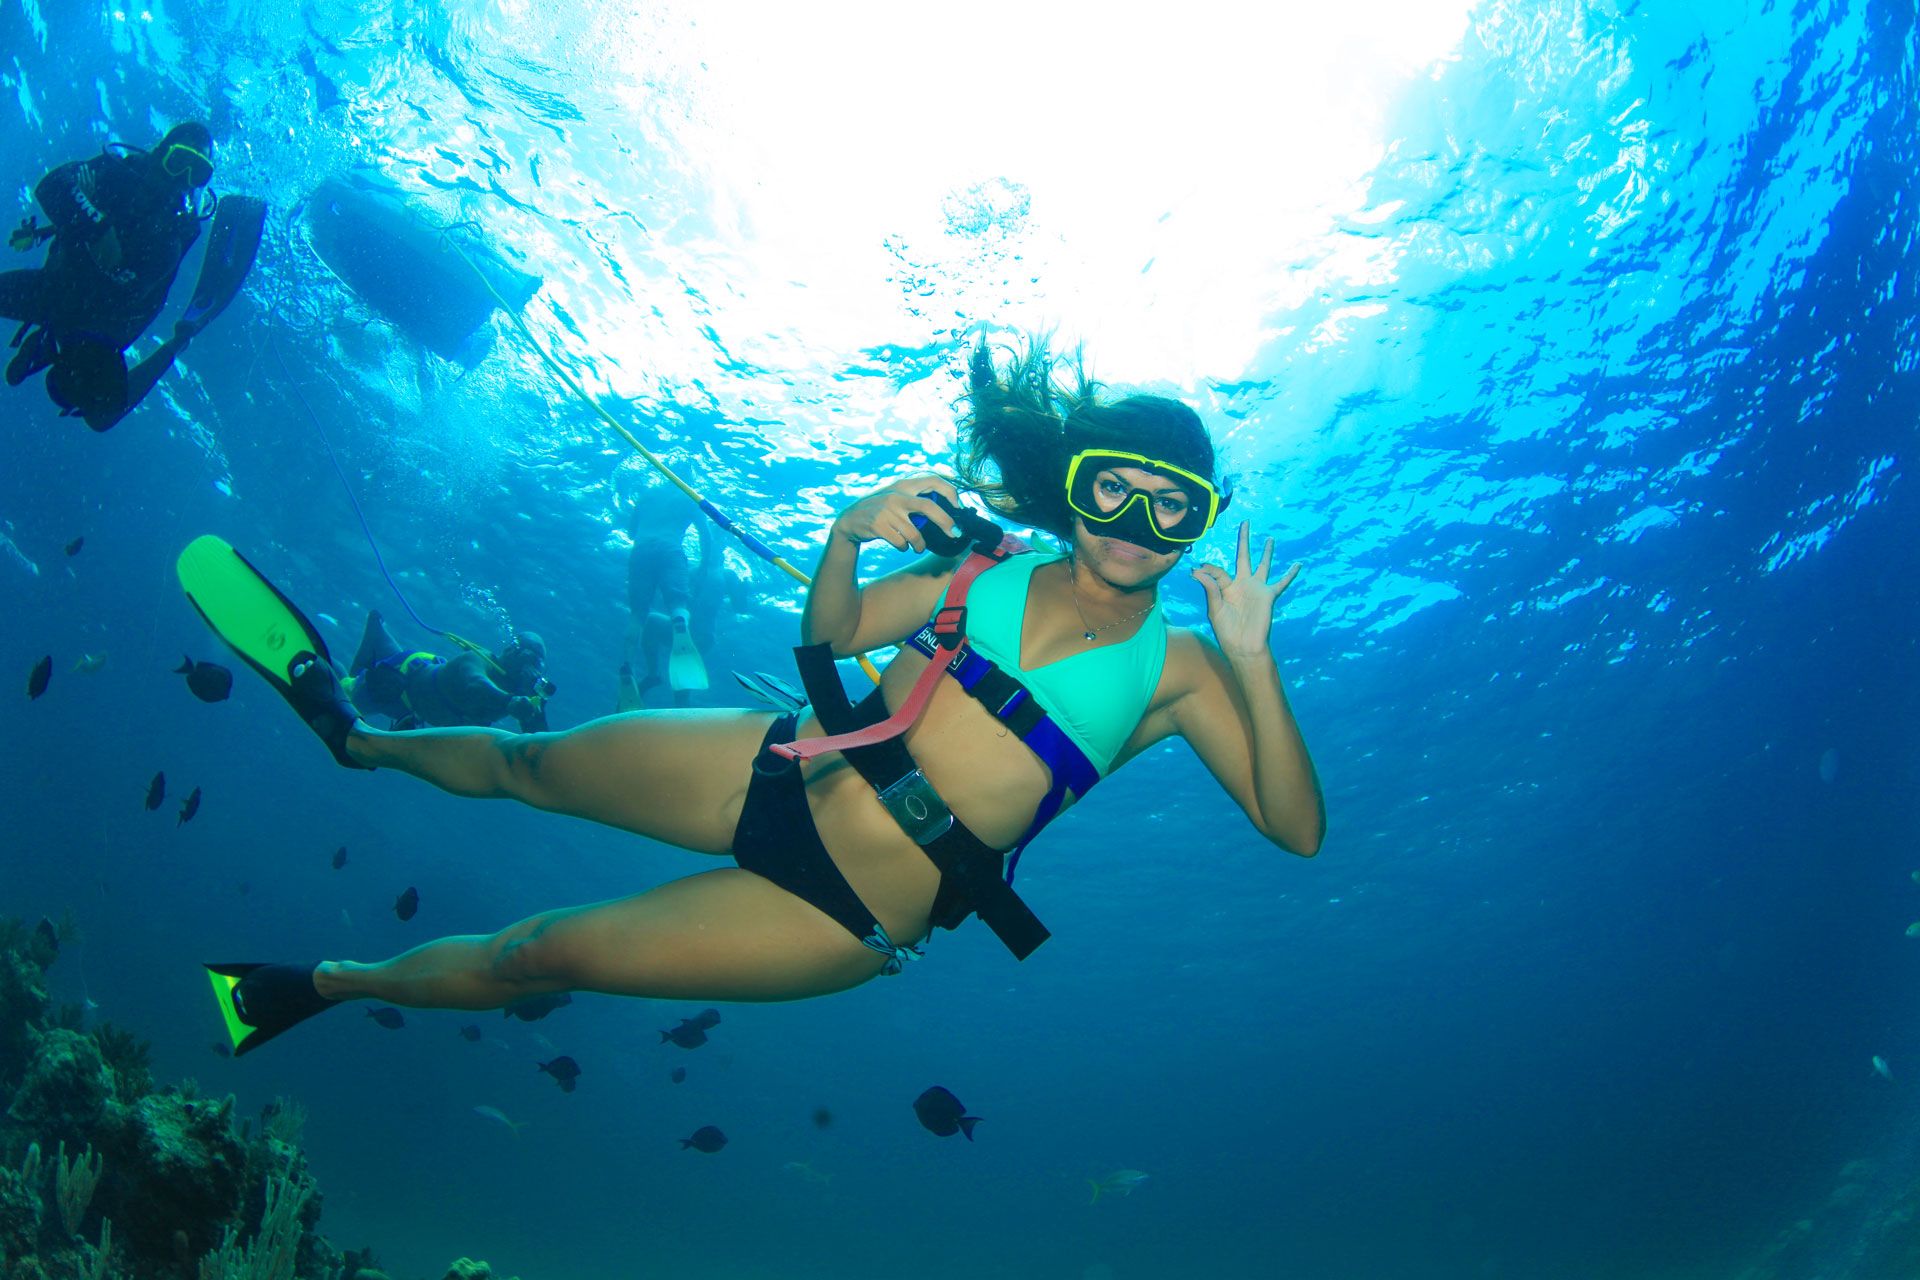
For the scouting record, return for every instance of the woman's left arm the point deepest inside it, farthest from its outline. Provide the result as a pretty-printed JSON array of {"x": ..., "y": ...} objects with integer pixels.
[{"x": 1234, "y": 713}]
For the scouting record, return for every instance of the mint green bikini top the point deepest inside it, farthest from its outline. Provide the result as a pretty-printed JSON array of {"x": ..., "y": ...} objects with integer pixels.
[{"x": 1098, "y": 697}]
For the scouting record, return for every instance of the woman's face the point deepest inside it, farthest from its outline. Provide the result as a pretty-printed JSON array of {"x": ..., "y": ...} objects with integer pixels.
[{"x": 1126, "y": 563}]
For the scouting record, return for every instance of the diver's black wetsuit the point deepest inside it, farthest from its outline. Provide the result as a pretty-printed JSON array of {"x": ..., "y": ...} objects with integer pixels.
[
  {"x": 416, "y": 688},
  {"x": 86, "y": 295}
]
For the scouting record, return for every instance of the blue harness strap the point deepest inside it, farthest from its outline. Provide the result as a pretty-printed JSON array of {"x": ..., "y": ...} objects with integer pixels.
[{"x": 1014, "y": 705}]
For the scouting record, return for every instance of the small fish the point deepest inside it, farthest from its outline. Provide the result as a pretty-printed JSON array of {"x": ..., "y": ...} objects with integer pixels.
[
  {"x": 340, "y": 857},
  {"x": 688, "y": 1034},
  {"x": 1120, "y": 1182},
  {"x": 221, "y": 1049},
  {"x": 189, "y": 807},
  {"x": 470, "y": 1033},
  {"x": 498, "y": 1116},
  {"x": 822, "y": 1118},
  {"x": 706, "y": 1138},
  {"x": 88, "y": 663},
  {"x": 73, "y": 548},
  {"x": 1881, "y": 1069},
  {"x": 388, "y": 1017},
  {"x": 1913, "y": 930},
  {"x": 943, "y": 1114},
  {"x": 46, "y": 940},
  {"x": 706, "y": 1019},
  {"x": 1914, "y": 876},
  {"x": 209, "y": 681},
  {"x": 156, "y": 792},
  {"x": 534, "y": 1008},
  {"x": 679, "y": 1075},
  {"x": 564, "y": 1071},
  {"x": 407, "y": 903},
  {"x": 38, "y": 677}
]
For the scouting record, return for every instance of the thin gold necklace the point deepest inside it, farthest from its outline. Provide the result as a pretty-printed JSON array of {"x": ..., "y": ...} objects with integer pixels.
[{"x": 1092, "y": 632}]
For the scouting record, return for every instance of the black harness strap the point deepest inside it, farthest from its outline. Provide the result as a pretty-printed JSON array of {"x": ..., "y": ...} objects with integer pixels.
[{"x": 970, "y": 878}]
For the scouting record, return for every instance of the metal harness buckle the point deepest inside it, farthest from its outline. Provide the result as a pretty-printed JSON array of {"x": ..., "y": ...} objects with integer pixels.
[{"x": 917, "y": 807}]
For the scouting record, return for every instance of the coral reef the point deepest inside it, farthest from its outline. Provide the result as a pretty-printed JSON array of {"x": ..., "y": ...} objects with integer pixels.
[
  {"x": 468, "y": 1269},
  {"x": 102, "y": 1174}
]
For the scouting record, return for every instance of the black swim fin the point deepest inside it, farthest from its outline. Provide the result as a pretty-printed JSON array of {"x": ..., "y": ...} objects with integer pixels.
[
  {"x": 36, "y": 352},
  {"x": 259, "y": 1001},
  {"x": 270, "y": 633},
  {"x": 232, "y": 244}
]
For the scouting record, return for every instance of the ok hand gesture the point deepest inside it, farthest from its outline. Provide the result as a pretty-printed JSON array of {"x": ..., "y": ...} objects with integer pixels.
[{"x": 1241, "y": 607}]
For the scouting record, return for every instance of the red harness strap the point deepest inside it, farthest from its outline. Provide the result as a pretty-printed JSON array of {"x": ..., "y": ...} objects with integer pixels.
[{"x": 950, "y": 629}]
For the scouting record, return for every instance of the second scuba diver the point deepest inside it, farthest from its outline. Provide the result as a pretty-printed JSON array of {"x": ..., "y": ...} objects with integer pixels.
[
  {"x": 120, "y": 224},
  {"x": 416, "y": 690},
  {"x": 856, "y": 829}
]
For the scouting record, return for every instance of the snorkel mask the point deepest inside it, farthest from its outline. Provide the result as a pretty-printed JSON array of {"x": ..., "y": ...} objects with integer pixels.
[
  {"x": 1161, "y": 518},
  {"x": 182, "y": 161}
]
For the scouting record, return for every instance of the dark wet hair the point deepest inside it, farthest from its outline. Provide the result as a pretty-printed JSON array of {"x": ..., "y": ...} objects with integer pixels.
[
  {"x": 1022, "y": 424},
  {"x": 188, "y": 133}
]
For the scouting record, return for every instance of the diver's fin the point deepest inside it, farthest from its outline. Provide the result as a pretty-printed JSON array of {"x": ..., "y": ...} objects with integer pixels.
[
  {"x": 259, "y": 1001},
  {"x": 772, "y": 690},
  {"x": 257, "y": 622},
  {"x": 36, "y": 353},
  {"x": 628, "y": 699},
  {"x": 686, "y": 670},
  {"x": 232, "y": 243},
  {"x": 270, "y": 634}
]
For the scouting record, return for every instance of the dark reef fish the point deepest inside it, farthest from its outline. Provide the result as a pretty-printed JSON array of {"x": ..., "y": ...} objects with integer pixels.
[
  {"x": 471, "y": 1033},
  {"x": 679, "y": 1075},
  {"x": 407, "y": 903},
  {"x": 822, "y": 1118},
  {"x": 943, "y": 1114},
  {"x": 156, "y": 792},
  {"x": 209, "y": 681},
  {"x": 564, "y": 1071},
  {"x": 706, "y": 1019},
  {"x": 534, "y": 1008},
  {"x": 73, "y": 548},
  {"x": 388, "y": 1017},
  {"x": 691, "y": 1033},
  {"x": 340, "y": 857},
  {"x": 46, "y": 939},
  {"x": 706, "y": 1138},
  {"x": 38, "y": 677},
  {"x": 189, "y": 807}
]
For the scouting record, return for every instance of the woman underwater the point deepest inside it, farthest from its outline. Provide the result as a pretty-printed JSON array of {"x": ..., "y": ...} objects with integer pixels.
[{"x": 842, "y": 852}]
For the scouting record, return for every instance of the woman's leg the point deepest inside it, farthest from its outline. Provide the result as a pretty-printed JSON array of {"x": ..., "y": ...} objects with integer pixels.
[
  {"x": 674, "y": 776},
  {"x": 721, "y": 935}
]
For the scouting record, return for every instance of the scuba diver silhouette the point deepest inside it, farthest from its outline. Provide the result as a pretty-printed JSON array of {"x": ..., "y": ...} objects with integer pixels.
[{"x": 120, "y": 224}]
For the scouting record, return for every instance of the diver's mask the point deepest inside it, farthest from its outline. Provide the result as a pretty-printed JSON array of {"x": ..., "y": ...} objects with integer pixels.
[
  {"x": 182, "y": 161},
  {"x": 1161, "y": 518}
]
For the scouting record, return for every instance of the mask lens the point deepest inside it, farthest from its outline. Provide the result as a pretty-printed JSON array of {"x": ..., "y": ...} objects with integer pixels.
[
  {"x": 182, "y": 161},
  {"x": 1098, "y": 495}
]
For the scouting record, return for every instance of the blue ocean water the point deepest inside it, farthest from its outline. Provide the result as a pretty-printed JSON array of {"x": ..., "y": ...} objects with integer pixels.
[{"x": 1585, "y": 407}]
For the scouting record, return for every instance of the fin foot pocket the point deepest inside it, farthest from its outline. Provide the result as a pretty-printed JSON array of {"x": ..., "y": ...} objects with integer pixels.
[{"x": 259, "y": 1001}]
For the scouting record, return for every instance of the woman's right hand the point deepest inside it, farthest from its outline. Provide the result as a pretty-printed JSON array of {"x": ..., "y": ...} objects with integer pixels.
[{"x": 887, "y": 513}]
